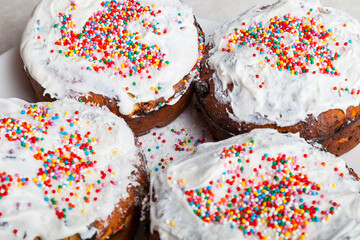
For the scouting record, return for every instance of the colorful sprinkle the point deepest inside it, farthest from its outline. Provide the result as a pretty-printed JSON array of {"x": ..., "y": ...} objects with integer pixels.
[{"x": 273, "y": 198}]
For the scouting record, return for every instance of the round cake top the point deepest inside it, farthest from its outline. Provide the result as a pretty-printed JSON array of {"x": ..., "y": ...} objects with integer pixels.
[
  {"x": 286, "y": 61},
  {"x": 63, "y": 166},
  {"x": 132, "y": 51},
  {"x": 260, "y": 185}
]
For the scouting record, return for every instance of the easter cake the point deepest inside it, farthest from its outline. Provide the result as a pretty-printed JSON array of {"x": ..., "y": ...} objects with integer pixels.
[
  {"x": 68, "y": 171},
  {"x": 259, "y": 185},
  {"x": 291, "y": 66},
  {"x": 138, "y": 58}
]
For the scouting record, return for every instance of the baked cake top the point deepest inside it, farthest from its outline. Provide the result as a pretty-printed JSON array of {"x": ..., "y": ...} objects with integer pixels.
[
  {"x": 283, "y": 62},
  {"x": 130, "y": 51},
  {"x": 259, "y": 185},
  {"x": 63, "y": 166}
]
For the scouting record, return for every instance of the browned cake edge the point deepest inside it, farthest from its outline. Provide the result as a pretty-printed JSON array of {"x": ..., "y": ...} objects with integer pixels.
[{"x": 336, "y": 130}]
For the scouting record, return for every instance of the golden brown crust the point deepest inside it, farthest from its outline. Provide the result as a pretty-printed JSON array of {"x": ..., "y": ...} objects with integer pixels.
[
  {"x": 154, "y": 236},
  {"x": 141, "y": 121},
  {"x": 353, "y": 173},
  {"x": 336, "y": 130}
]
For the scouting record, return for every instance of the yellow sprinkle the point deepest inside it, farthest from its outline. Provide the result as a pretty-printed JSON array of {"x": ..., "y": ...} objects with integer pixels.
[
  {"x": 172, "y": 223},
  {"x": 333, "y": 185},
  {"x": 182, "y": 180},
  {"x": 115, "y": 152},
  {"x": 83, "y": 211}
]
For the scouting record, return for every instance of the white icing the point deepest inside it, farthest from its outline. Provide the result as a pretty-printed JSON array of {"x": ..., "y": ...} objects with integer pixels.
[
  {"x": 161, "y": 146},
  {"x": 61, "y": 76},
  {"x": 171, "y": 205},
  {"x": 285, "y": 99},
  {"x": 38, "y": 219}
]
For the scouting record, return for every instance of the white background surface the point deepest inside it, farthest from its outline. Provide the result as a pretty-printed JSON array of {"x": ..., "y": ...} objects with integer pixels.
[{"x": 15, "y": 13}]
